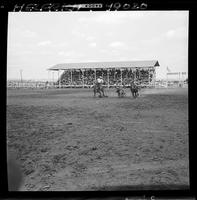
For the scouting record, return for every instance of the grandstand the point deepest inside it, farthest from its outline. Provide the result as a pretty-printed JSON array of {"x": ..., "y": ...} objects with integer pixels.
[{"x": 121, "y": 72}]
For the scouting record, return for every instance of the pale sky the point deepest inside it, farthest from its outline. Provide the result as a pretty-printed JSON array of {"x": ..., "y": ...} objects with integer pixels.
[{"x": 39, "y": 40}]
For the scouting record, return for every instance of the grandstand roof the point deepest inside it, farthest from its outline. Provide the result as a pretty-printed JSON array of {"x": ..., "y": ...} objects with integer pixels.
[{"x": 98, "y": 65}]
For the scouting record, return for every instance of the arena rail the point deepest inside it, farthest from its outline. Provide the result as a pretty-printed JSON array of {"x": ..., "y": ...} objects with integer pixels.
[{"x": 50, "y": 85}]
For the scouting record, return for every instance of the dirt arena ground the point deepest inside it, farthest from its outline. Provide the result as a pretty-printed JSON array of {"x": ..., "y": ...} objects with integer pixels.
[{"x": 65, "y": 139}]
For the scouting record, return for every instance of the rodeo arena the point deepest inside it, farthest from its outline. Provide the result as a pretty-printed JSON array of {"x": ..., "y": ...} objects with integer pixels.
[{"x": 66, "y": 138}]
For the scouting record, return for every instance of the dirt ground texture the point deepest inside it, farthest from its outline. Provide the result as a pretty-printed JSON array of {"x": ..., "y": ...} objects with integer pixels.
[{"x": 65, "y": 139}]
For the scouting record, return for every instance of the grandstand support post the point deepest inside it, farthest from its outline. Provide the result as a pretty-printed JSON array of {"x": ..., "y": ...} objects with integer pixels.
[
  {"x": 108, "y": 78},
  {"x": 48, "y": 76},
  {"x": 127, "y": 74},
  {"x": 83, "y": 77},
  {"x": 154, "y": 77},
  {"x": 59, "y": 78},
  {"x": 95, "y": 75},
  {"x": 71, "y": 76},
  {"x": 121, "y": 76}
]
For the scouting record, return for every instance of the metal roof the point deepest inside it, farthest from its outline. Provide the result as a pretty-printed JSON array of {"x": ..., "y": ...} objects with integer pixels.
[{"x": 98, "y": 65}]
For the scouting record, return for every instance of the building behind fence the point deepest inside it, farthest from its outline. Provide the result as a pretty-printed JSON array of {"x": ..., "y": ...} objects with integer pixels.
[{"x": 29, "y": 84}]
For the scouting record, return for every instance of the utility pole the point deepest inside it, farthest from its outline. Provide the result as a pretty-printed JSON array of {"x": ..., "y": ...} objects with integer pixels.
[{"x": 21, "y": 75}]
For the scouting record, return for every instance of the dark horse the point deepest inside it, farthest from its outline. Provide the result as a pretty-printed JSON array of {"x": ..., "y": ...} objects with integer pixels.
[
  {"x": 121, "y": 92},
  {"x": 134, "y": 90},
  {"x": 98, "y": 88}
]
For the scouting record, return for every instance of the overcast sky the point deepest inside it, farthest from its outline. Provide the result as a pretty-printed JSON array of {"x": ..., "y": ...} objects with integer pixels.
[{"x": 37, "y": 41}]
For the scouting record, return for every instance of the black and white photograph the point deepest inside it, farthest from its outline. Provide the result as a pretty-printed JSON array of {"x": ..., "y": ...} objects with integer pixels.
[{"x": 97, "y": 100}]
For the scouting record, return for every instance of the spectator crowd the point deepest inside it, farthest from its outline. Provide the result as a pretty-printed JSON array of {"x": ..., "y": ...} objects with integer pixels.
[{"x": 87, "y": 77}]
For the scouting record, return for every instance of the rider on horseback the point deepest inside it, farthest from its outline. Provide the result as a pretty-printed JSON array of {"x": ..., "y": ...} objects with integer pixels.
[
  {"x": 99, "y": 82},
  {"x": 134, "y": 88},
  {"x": 133, "y": 84},
  {"x": 120, "y": 90},
  {"x": 98, "y": 87}
]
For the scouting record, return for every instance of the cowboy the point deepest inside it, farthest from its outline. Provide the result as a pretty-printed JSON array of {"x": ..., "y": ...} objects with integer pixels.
[
  {"x": 134, "y": 88},
  {"x": 99, "y": 81},
  {"x": 119, "y": 89}
]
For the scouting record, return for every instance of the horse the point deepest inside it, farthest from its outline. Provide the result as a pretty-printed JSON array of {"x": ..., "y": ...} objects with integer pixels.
[
  {"x": 134, "y": 90},
  {"x": 121, "y": 92},
  {"x": 98, "y": 88}
]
